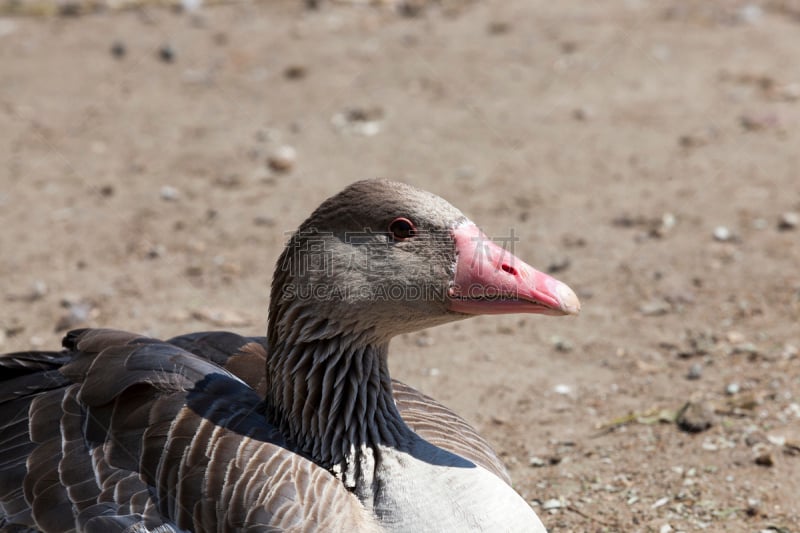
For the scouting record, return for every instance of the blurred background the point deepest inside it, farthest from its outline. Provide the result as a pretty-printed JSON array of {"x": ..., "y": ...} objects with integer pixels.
[{"x": 154, "y": 157}]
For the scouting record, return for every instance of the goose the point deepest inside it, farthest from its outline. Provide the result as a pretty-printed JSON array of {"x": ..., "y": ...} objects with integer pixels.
[{"x": 303, "y": 430}]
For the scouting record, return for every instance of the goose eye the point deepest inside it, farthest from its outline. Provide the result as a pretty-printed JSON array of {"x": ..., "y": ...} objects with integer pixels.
[{"x": 402, "y": 229}]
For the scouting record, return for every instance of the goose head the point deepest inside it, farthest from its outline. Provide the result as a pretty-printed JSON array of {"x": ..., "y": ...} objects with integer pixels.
[{"x": 383, "y": 258}]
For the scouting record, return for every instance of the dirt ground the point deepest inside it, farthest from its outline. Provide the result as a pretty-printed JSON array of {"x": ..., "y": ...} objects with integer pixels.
[{"x": 645, "y": 152}]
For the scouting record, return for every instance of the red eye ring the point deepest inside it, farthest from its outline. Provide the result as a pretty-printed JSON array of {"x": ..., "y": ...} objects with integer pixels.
[{"x": 401, "y": 229}]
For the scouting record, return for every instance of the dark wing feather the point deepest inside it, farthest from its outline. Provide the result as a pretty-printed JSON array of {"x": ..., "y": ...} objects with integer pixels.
[
  {"x": 244, "y": 357},
  {"x": 133, "y": 434}
]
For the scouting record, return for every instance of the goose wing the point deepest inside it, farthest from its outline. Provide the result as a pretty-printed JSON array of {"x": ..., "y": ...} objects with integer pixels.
[
  {"x": 124, "y": 433},
  {"x": 443, "y": 428}
]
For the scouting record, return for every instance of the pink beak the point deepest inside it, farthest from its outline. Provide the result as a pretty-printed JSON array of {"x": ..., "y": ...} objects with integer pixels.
[{"x": 491, "y": 281}]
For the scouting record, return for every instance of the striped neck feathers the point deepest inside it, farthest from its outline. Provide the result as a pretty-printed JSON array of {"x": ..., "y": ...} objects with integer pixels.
[{"x": 330, "y": 394}]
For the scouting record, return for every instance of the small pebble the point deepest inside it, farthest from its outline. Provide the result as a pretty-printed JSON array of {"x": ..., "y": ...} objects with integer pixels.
[
  {"x": 561, "y": 345},
  {"x": 752, "y": 122},
  {"x": 628, "y": 221},
  {"x": 661, "y": 227},
  {"x": 411, "y": 8},
  {"x": 194, "y": 271},
  {"x": 191, "y": 6},
  {"x": 792, "y": 448},
  {"x": 776, "y": 440},
  {"x": 77, "y": 313},
  {"x": 359, "y": 120},
  {"x": 569, "y": 47},
  {"x": 661, "y": 502},
  {"x": 295, "y": 72},
  {"x": 423, "y": 341},
  {"x": 753, "y": 506},
  {"x": 156, "y": 251},
  {"x": 118, "y": 49},
  {"x": 790, "y": 351},
  {"x": 750, "y": 13},
  {"x": 754, "y": 438},
  {"x": 732, "y": 388},
  {"x": 746, "y": 348},
  {"x": 220, "y": 38},
  {"x": 789, "y": 92},
  {"x": 266, "y": 135},
  {"x": 655, "y": 308},
  {"x": 38, "y": 290},
  {"x": 562, "y": 389},
  {"x": 70, "y": 8},
  {"x": 695, "y": 372},
  {"x": 573, "y": 241},
  {"x": 692, "y": 140},
  {"x": 722, "y": 234},
  {"x": 666, "y": 528},
  {"x": 789, "y": 221},
  {"x": 197, "y": 76},
  {"x": 559, "y": 265},
  {"x": 504, "y": 329},
  {"x": 228, "y": 181},
  {"x": 765, "y": 459},
  {"x": 166, "y": 53},
  {"x": 465, "y": 172},
  {"x": 498, "y": 27},
  {"x": 695, "y": 417},
  {"x": 263, "y": 220},
  {"x": 735, "y": 337},
  {"x": 169, "y": 193},
  {"x": 554, "y": 503},
  {"x": 699, "y": 343},
  {"x": 221, "y": 317},
  {"x": 282, "y": 158},
  {"x": 537, "y": 462},
  {"x": 582, "y": 113}
]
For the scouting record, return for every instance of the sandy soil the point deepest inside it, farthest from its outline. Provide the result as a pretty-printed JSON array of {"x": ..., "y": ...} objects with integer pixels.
[{"x": 613, "y": 138}]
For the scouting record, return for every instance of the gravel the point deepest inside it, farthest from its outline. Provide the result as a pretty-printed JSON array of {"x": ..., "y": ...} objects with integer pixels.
[
  {"x": 166, "y": 53},
  {"x": 722, "y": 234},
  {"x": 789, "y": 221},
  {"x": 695, "y": 417},
  {"x": 282, "y": 159},
  {"x": 169, "y": 193},
  {"x": 695, "y": 372}
]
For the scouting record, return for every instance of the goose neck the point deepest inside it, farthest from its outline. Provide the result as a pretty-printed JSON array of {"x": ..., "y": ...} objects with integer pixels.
[{"x": 332, "y": 399}]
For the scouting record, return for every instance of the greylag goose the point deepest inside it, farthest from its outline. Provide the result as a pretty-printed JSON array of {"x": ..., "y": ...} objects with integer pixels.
[{"x": 119, "y": 432}]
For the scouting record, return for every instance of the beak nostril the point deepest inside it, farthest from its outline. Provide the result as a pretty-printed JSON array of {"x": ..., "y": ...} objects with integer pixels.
[{"x": 508, "y": 268}]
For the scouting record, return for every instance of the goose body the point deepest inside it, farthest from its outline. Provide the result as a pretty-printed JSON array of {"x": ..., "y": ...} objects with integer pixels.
[
  {"x": 303, "y": 430},
  {"x": 484, "y": 502}
]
